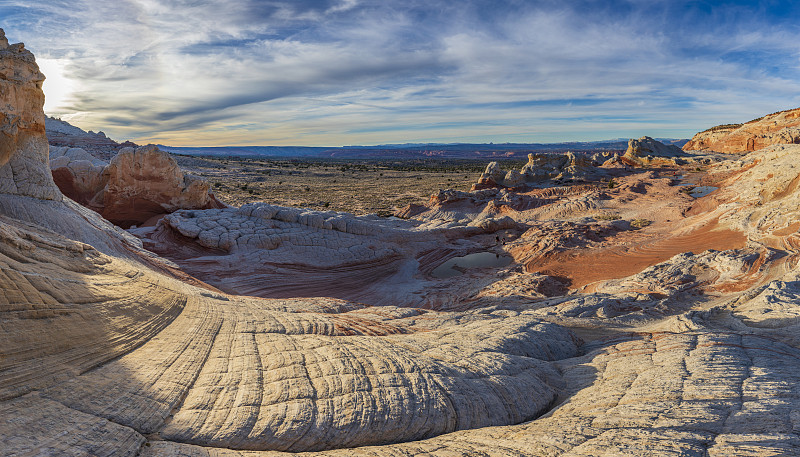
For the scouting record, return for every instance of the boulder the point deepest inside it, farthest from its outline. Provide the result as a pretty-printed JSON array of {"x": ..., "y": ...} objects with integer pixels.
[
  {"x": 78, "y": 174},
  {"x": 135, "y": 186},
  {"x": 493, "y": 176}
]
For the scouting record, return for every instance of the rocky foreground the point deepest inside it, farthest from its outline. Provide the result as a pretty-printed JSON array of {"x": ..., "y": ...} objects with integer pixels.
[{"x": 640, "y": 315}]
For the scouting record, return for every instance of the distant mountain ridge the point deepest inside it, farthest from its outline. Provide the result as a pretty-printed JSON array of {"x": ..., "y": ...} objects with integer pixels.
[
  {"x": 413, "y": 150},
  {"x": 61, "y": 133}
]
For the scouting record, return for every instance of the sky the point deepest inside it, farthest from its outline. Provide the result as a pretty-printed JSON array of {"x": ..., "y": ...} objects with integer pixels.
[{"x": 348, "y": 72}]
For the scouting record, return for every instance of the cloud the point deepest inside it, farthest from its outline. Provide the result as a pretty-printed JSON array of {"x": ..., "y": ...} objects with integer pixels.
[{"x": 359, "y": 72}]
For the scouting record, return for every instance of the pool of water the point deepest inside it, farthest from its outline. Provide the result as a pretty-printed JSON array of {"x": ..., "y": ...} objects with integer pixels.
[
  {"x": 457, "y": 265},
  {"x": 702, "y": 191}
]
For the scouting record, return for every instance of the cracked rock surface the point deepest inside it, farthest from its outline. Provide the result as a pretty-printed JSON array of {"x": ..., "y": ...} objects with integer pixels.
[{"x": 604, "y": 337}]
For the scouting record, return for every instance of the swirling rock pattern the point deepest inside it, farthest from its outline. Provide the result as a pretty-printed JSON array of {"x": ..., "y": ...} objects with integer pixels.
[
  {"x": 278, "y": 252},
  {"x": 109, "y": 350},
  {"x": 242, "y": 373}
]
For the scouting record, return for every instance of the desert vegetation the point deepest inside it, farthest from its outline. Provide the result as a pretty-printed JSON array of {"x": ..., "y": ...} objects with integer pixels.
[{"x": 357, "y": 186}]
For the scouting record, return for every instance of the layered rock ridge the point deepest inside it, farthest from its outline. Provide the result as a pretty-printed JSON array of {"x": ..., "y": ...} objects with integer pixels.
[{"x": 782, "y": 127}]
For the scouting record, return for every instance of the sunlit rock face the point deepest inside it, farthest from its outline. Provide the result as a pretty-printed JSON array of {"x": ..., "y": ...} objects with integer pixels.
[
  {"x": 23, "y": 143},
  {"x": 778, "y": 128},
  {"x": 647, "y": 151},
  {"x": 137, "y": 185}
]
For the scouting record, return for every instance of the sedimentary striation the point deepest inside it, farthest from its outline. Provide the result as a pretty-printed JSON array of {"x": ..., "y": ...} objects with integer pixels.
[
  {"x": 636, "y": 318},
  {"x": 782, "y": 127}
]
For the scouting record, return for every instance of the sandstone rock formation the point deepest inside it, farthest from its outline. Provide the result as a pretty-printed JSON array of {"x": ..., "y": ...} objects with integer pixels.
[
  {"x": 137, "y": 185},
  {"x": 647, "y": 151},
  {"x": 62, "y": 134},
  {"x": 109, "y": 350},
  {"x": 542, "y": 167},
  {"x": 24, "y": 168},
  {"x": 275, "y": 252},
  {"x": 579, "y": 167},
  {"x": 782, "y": 127},
  {"x": 78, "y": 174}
]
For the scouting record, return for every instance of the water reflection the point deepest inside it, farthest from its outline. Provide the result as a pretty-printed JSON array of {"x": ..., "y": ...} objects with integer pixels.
[{"x": 458, "y": 265}]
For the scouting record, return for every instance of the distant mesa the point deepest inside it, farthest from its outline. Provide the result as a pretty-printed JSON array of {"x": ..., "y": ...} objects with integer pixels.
[{"x": 782, "y": 127}]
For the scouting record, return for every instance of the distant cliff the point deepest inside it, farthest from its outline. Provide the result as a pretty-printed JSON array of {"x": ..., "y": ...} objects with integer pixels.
[{"x": 782, "y": 127}]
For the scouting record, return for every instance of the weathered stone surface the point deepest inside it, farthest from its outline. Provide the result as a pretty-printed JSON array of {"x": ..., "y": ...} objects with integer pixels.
[
  {"x": 546, "y": 167},
  {"x": 295, "y": 359},
  {"x": 778, "y": 128},
  {"x": 275, "y": 252},
  {"x": 632, "y": 346},
  {"x": 144, "y": 182},
  {"x": 23, "y": 144},
  {"x": 653, "y": 394},
  {"x": 135, "y": 186},
  {"x": 79, "y": 175},
  {"x": 647, "y": 151}
]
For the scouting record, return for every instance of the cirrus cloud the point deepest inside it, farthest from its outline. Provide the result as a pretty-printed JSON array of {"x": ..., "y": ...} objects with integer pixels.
[{"x": 334, "y": 72}]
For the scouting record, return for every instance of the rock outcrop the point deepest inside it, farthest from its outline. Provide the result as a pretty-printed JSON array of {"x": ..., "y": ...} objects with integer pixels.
[
  {"x": 543, "y": 167},
  {"x": 275, "y": 252},
  {"x": 782, "y": 127},
  {"x": 647, "y": 151},
  {"x": 137, "y": 185},
  {"x": 579, "y": 167},
  {"x": 66, "y": 135},
  {"x": 23, "y": 143}
]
